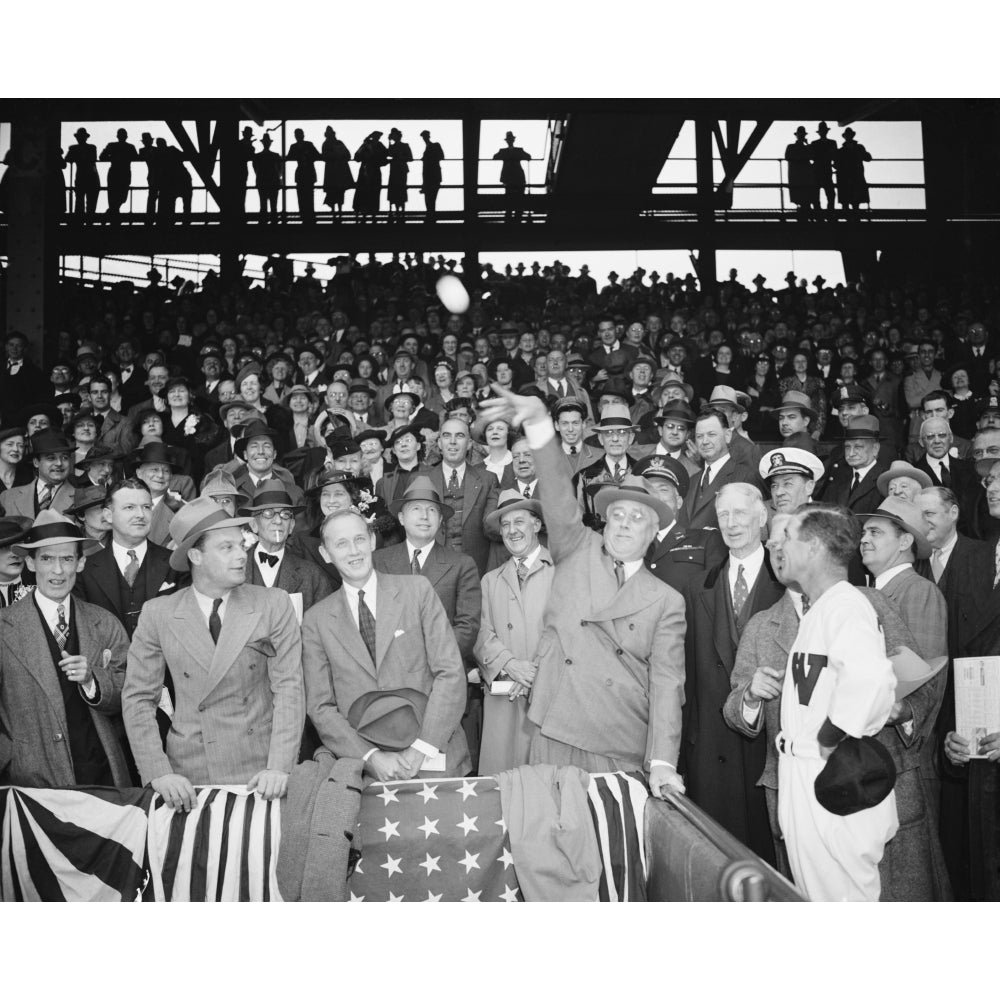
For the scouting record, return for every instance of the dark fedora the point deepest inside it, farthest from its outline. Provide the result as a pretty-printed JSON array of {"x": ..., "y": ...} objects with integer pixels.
[
  {"x": 256, "y": 429},
  {"x": 421, "y": 489},
  {"x": 53, "y": 528},
  {"x": 859, "y": 774},
  {"x": 617, "y": 386},
  {"x": 269, "y": 496},
  {"x": 678, "y": 411},
  {"x": 361, "y": 385},
  {"x": 49, "y": 442},
  {"x": 390, "y": 719},
  {"x": 632, "y": 488},
  {"x": 154, "y": 450},
  {"x": 86, "y": 497},
  {"x": 375, "y": 433},
  {"x": 13, "y": 529},
  {"x": 9, "y": 432},
  {"x": 99, "y": 453},
  {"x": 414, "y": 398},
  {"x": 341, "y": 446},
  {"x": 862, "y": 428}
]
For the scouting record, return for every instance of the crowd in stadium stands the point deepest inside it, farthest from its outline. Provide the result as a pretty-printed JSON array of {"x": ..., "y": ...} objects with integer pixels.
[{"x": 301, "y": 409}]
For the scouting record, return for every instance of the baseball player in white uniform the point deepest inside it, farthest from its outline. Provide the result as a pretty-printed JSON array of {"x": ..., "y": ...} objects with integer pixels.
[{"x": 838, "y": 682}]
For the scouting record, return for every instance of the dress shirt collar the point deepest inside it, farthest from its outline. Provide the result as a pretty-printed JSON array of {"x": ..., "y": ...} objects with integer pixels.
[
  {"x": 121, "y": 553},
  {"x": 713, "y": 467},
  {"x": 663, "y": 532},
  {"x": 446, "y": 471},
  {"x": 351, "y": 595},
  {"x": 205, "y": 603},
  {"x": 862, "y": 472},
  {"x": 50, "y": 608},
  {"x": 411, "y": 548},
  {"x": 751, "y": 564},
  {"x": 532, "y": 557},
  {"x": 949, "y": 547}
]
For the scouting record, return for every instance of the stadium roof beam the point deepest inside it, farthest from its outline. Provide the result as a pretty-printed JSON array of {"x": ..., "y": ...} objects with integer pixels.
[{"x": 202, "y": 156}]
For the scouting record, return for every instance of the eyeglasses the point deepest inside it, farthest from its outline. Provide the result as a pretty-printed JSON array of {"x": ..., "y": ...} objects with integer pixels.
[
  {"x": 282, "y": 514},
  {"x": 615, "y": 434}
]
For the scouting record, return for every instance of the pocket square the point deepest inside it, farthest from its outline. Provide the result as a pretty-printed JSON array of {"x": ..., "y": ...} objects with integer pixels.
[
  {"x": 166, "y": 585},
  {"x": 398, "y": 633}
]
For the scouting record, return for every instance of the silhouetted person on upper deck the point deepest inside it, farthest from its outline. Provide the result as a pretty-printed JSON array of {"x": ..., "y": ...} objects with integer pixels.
[
  {"x": 512, "y": 177},
  {"x": 431, "y": 180},
  {"x": 244, "y": 157},
  {"x": 151, "y": 156},
  {"x": 851, "y": 184},
  {"x": 372, "y": 155},
  {"x": 304, "y": 154},
  {"x": 121, "y": 155},
  {"x": 823, "y": 151},
  {"x": 400, "y": 156},
  {"x": 267, "y": 168},
  {"x": 802, "y": 188},
  {"x": 86, "y": 183},
  {"x": 337, "y": 176},
  {"x": 175, "y": 182}
]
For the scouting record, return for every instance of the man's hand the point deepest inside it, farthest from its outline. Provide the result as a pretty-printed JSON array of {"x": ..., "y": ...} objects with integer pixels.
[
  {"x": 765, "y": 684},
  {"x": 957, "y": 749},
  {"x": 901, "y": 712},
  {"x": 411, "y": 760},
  {"x": 75, "y": 669},
  {"x": 990, "y": 745},
  {"x": 517, "y": 691},
  {"x": 269, "y": 784},
  {"x": 663, "y": 779},
  {"x": 691, "y": 450},
  {"x": 515, "y": 410},
  {"x": 176, "y": 791},
  {"x": 522, "y": 671},
  {"x": 385, "y": 766}
]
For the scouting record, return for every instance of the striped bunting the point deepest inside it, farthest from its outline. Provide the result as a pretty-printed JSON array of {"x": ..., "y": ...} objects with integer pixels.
[
  {"x": 225, "y": 849},
  {"x": 617, "y": 804},
  {"x": 72, "y": 844}
]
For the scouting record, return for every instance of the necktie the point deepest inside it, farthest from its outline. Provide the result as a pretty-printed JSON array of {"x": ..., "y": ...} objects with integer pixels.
[
  {"x": 740, "y": 592},
  {"x": 703, "y": 485},
  {"x": 572, "y": 449},
  {"x": 522, "y": 572},
  {"x": 62, "y": 629},
  {"x": 527, "y": 492},
  {"x": 805, "y": 604},
  {"x": 266, "y": 557},
  {"x": 453, "y": 481},
  {"x": 214, "y": 621},
  {"x": 562, "y": 388},
  {"x": 620, "y": 573},
  {"x": 415, "y": 563},
  {"x": 618, "y": 472},
  {"x": 45, "y": 497},
  {"x": 132, "y": 569},
  {"x": 366, "y": 625},
  {"x": 944, "y": 475},
  {"x": 937, "y": 564},
  {"x": 855, "y": 481}
]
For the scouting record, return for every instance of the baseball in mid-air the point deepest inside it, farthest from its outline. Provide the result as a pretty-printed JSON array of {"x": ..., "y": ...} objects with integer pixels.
[{"x": 452, "y": 293}]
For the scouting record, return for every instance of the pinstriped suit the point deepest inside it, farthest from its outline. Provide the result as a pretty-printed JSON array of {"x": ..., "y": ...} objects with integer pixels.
[{"x": 240, "y": 705}]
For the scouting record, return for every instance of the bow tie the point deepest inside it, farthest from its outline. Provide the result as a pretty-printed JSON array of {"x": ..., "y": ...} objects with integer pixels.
[{"x": 266, "y": 557}]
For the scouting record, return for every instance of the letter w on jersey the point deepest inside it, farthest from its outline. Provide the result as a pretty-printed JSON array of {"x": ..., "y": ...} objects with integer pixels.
[{"x": 806, "y": 668}]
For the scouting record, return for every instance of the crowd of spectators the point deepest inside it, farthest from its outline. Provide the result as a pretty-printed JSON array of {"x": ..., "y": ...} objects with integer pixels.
[{"x": 363, "y": 392}]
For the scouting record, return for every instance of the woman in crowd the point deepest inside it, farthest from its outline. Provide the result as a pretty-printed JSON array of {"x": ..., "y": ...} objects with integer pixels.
[
  {"x": 443, "y": 374},
  {"x": 300, "y": 402},
  {"x": 185, "y": 428},
  {"x": 13, "y": 470},
  {"x": 762, "y": 387},
  {"x": 279, "y": 371},
  {"x": 724, "y": 372},
  {"x": 400, "y": 406},
  {"x": 963, "y": 423},
  {"x": 406, "y": 450},
  {"x": 496, "y": 438}
]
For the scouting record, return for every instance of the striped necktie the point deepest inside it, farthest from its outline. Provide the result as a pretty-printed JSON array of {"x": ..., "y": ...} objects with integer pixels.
[
  {"x": 132, "y": 569},
  {"x": 62, "y": 628},
  {"x": 415, "y": 563},
  {"x": 366, "y": 625},
  {"x": 522, "y": 572}
]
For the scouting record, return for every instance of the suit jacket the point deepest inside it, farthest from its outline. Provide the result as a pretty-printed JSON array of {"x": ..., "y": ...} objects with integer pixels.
[
  {"x": 295, "y": 576},
  {"x": 100, "y": 581},
  {"x": 573, "y": 390},
  {"x": 610, "y": 661},
  {"x": 721, "y": 767},
  {"x": 159, "y": 521},
  {"x": 414, "y": 648},
  {"x": 480, "y": 494},
  {"x": 586, "y": 455},
  {"x": 34, "y": 748},
  {"x": 967, "y": 553},
  {"x": 699, "y": 508},
  {"x": 239, "y": 705},
  {"x": 455, "y": 579},
  {"x": 963, "y": 479},
  {"x": 245, "y": 484},
  {"x": 116, "y": 433},
  {"x": 613, "y": 362},
  {"x": 835, "y": 486},
  {"x": 22, "y": 389},
  {"x": 19, "y": 501}
]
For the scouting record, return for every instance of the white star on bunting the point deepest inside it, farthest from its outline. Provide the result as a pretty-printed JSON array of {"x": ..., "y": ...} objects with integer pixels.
[
  {"x": 429, "y": 826},
  {"x": 431, "y": 898},
  {"x": 390, "y": 829},
  {"x": 468, "y": 788},
  {"x": 473, "y": 897},
  {"x": 431, "y": 864},
  {"x": 357, "y": 867},
  {"x": 395, "y": 899},
  {"x": 509, "y": 895},
  {"x": 388, "y": 795},
  {"x": 470, "y": 861},
  {"x": 357, "y": 899},
  {"x": 468, "y": 824},
  {"x": 502, "y": 823},
  {"x": 507, "y": 858},
  {"x": 427, "y": 793},
  {"x": 392, "y": 866}
]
